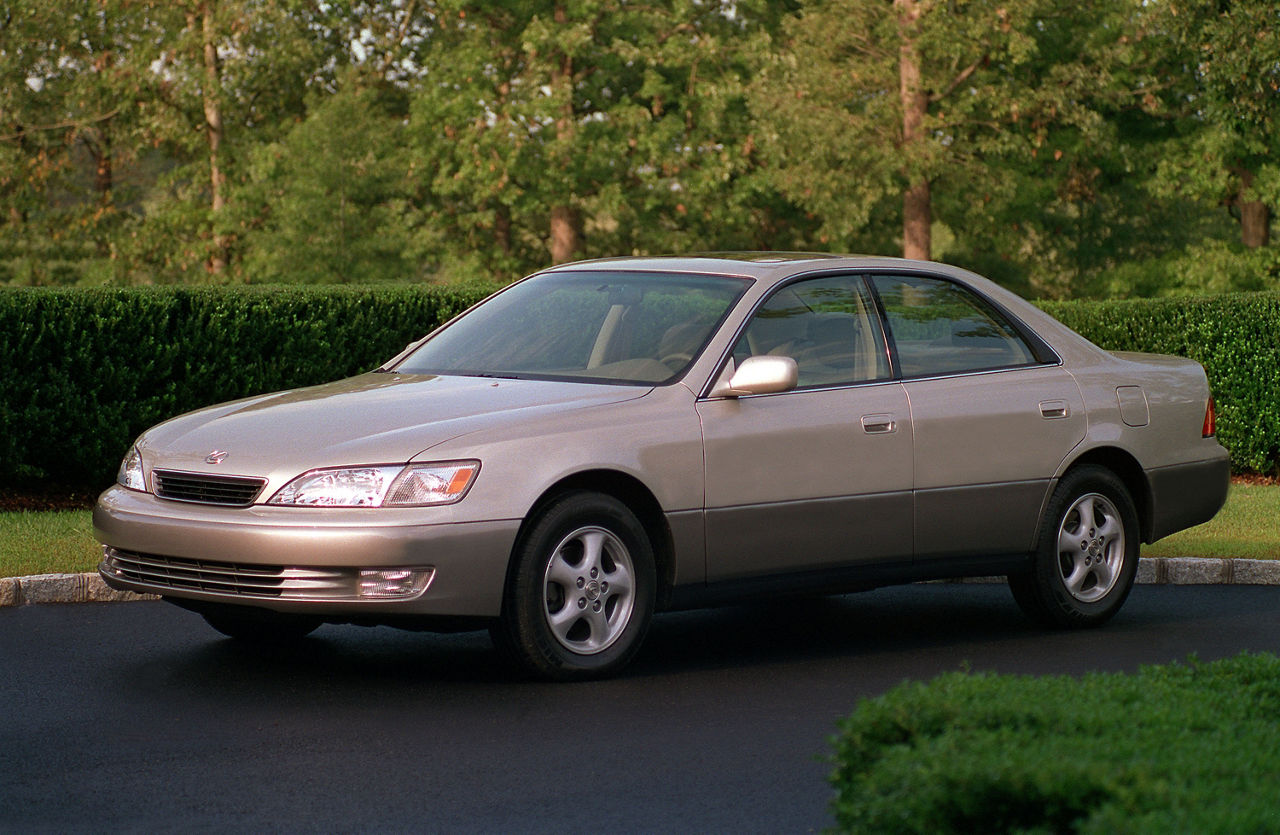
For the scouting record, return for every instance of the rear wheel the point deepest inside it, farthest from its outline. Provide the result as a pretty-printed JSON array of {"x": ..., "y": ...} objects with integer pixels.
[
  {"x": 581, "y": 596},
  {"x": 1087, "y": 555}
]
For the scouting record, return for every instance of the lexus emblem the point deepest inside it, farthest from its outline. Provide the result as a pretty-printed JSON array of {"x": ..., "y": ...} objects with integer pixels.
[{"x": 215, "y": 457}]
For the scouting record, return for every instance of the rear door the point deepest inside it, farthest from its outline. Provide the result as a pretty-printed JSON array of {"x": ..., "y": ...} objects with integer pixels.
[{"x": 993, "y": 413}]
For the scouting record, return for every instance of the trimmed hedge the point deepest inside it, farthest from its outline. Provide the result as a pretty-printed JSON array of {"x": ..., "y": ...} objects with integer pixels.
[
  {"x": 1236, "y": 337},
  {"x": 1179, "y": 748},
  {"x": 84, "y": 371}
]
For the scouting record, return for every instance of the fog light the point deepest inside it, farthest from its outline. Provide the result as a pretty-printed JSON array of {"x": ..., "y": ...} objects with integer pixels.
[{"x": 382, "y": 583}]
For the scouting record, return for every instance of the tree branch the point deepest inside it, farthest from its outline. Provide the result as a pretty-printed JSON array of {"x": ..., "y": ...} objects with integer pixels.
[
  {"x": 401, "y": 31},
  {"x": 73, "y": 123},
  {"x": 960, "y": 78}
]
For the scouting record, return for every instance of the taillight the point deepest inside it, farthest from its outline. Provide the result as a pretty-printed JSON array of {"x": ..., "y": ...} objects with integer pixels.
[{"x": 1210, "y": 420}]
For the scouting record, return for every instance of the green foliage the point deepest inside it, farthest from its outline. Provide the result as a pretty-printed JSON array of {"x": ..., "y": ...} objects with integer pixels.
[
  {"x": 1213, "y": 266},
  {"x": 1221, "y": 81},
  {"x": 1071, "y": 151},
  {"x": 1236, "y": 337},
  {"x": 1180, "y": 748},
  {"x": 628, "y": 119},
  {"x": 829, "y": 106},
  {"x": 86, "y": 370},
  {"x": 329, "y": 203}
]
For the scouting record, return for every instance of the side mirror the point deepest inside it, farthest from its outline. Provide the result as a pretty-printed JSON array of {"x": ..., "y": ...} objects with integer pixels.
[{"x": 759, "y": 375}]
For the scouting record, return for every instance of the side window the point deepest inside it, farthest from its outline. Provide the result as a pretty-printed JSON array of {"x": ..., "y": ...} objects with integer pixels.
[
  {"x": 828, "y": 325},
  {"x": 941, "y": 328}
]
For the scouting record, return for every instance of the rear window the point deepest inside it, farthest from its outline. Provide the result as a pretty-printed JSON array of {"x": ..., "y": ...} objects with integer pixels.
[{"x": 939, "y": 328}]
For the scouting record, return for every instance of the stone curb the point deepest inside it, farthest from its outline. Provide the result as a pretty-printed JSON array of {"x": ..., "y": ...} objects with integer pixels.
[
  {"x": 1190, "y": 571},
  {"x": 62, "y": 588},
  {"x": 1156, "y": 571}
]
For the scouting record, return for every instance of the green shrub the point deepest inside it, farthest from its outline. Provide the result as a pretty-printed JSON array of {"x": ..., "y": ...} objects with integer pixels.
[
  {"x": 86, "y": 370},
  {"x": 1180, "y": 748},
  {"x": 1236, "y": 337}
]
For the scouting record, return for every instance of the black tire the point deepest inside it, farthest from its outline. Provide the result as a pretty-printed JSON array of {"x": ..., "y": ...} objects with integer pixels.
[
  {"x": 581, "y": 592},
  {"x": 260, "y": 626},
  {"x": 1086, "y": 555}
]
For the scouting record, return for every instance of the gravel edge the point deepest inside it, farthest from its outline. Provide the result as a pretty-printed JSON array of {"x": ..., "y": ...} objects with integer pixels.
[{"x": 1158, "y": 571}]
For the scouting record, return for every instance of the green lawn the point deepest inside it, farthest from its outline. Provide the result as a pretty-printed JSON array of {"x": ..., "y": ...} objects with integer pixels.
[
  {"x": 62, "y": 541},
  {"x": 50, "y": 542}
]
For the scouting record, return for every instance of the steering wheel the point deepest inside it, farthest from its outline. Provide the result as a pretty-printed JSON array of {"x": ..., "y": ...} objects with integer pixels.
[{"x": 676, "y": 361}]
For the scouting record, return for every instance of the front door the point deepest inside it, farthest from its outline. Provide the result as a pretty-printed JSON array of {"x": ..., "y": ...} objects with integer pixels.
[{"x": 818, "y": 477}]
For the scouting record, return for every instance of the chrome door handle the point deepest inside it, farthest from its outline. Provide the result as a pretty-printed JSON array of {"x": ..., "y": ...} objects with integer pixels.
[
  {"x": 879, "y": 424},
  {"x": 1054, "y": 409}
]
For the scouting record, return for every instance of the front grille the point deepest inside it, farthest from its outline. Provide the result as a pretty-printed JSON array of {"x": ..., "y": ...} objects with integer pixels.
[
  {"x": 228, "y": 578},
  {"x": 231, "y": 490}
]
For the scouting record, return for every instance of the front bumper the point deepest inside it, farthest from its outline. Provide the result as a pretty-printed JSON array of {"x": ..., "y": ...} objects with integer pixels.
[{"x": 321, "y": 551}]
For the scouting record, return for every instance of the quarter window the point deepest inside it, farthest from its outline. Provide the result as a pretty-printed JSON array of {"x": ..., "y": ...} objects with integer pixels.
[
  {"x": 827, "y": 325},
  {"x": 939, "y": 327}
]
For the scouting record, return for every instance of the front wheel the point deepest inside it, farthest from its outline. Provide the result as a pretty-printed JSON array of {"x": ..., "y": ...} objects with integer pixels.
[
  {"x": 1087, "y": 554},
  {"x": 581, "y": 594}
]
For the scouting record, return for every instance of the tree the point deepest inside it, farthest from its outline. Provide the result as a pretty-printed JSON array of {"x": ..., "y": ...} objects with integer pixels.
[
  {"x": 1222, "y": 85},
  {"x": 566, "y": 130},
  {"x": 227, "y": 75},
  {"x": 866, "y": 106},
  {"x": 70, "y": 105},
  {"x": 330, "y": 200}
]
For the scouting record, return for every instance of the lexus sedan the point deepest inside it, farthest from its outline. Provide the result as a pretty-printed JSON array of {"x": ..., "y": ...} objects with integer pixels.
[{"x": 607, "y": 439}]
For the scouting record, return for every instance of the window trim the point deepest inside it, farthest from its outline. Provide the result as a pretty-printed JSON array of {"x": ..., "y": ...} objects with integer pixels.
[
  {"x": 877, "y": 310},
  {"x": 1042, "y": 353}
]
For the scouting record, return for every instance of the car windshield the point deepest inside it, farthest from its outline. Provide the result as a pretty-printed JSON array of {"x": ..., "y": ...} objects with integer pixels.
[{"x": 616, "y": 327}]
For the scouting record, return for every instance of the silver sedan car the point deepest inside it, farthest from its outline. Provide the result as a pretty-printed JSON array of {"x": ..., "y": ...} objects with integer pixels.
[{"x": 607, "y": 439}]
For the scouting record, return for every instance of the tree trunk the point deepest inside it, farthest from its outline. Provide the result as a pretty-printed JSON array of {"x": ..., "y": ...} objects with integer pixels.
[
  {"x": 566, "y": 234},
  {"x": 1255, "y": 223},
  {"x": 103, "y": 172},
  {"x": 917, "y": 218},
  {"x": 502, "y": 228},
  {"x": 213, "y": 127},
  {"x": 917, "y": 210},
  {"x": 1255, "y": 215},
  {"x": 566, "y": 223},
  {"x": 103, "y": 178}
]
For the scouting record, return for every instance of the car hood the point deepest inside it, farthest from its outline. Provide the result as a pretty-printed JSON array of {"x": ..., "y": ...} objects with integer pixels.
[{"x": 375, "y": 418}]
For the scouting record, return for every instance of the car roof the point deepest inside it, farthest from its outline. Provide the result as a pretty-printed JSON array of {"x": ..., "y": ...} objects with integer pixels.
[
  {"x": 772, "y": 268},
  {"x": 746, "y": 264}
]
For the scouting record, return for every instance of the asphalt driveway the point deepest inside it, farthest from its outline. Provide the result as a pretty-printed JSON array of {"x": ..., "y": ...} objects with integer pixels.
[{"x": 136, "y": 716}]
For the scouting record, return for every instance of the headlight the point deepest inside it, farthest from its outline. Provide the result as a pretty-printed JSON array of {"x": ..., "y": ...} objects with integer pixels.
[
  {"x": 381, "y": 486},
  {"x": 130, "y": 474}
]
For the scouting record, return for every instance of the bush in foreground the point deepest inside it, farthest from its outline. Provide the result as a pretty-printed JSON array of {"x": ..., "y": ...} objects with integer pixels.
[{"x": 1181, "y": 748}]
